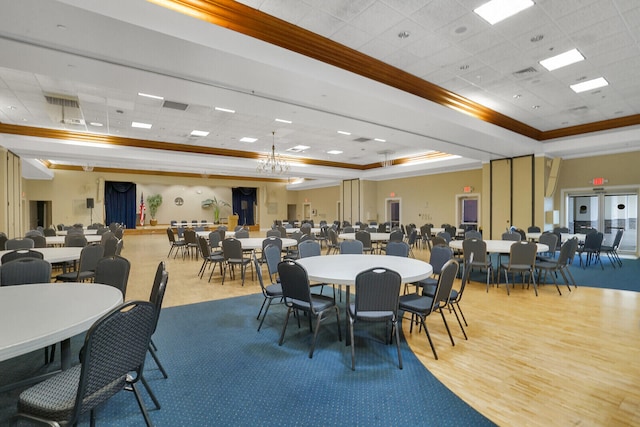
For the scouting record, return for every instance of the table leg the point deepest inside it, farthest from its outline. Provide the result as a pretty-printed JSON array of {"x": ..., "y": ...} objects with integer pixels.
[
  {"x": 346, "y": 316},
  {"x": 65, "y": 354}
]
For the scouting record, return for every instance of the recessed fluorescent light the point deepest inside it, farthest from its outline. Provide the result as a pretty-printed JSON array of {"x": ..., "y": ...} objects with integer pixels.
[
  {"x": 248, "y": 139},
  {"x": 140, "y": 125},
  {"x": 226, "y": 110},
  {"x": 284, "y": 121},
  {"x": 379, "y": 139},
  {"x": 334, "y": 152},
  {"x": 589, "y": 85},
  {"x": 344, "y": 133},
  {"x": 562, "y": 60},
  {"x": 497, "y": 10},
  {"x": 146, "y": 95},
  {"x": 300, "y": 148},
  {"x": 199, "y": 133},
  {"x": 97, "y": 124}
]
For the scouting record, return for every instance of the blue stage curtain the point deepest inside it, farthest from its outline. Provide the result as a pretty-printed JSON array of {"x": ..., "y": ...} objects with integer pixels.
[
  {"x": 244, "y": 198},
  {"x": 120, "y": 203}
]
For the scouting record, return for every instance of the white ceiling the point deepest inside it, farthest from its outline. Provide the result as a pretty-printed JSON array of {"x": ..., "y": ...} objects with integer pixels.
[{"x": 104, "y": 53}]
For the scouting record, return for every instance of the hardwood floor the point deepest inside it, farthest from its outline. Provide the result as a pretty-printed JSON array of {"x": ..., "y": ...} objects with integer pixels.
[{"x": 552, "y": 360}]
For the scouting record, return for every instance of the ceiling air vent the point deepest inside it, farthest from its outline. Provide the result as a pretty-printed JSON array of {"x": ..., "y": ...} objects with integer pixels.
[
  {"x": 362, "y": 139},
  {"x": 62, "y": 101},
  {"x": 64, "y": 109},
  {"x": 175, "y": 105},
  {"x": 526, "y": 72}
]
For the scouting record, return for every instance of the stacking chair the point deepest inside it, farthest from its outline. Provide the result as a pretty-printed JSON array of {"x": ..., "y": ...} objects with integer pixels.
[
  {"x": 473, "y": 234},
  {"x": 297, "y": 296},
  {"x": 19, "y": 243},
  {"x": 271, "y": 240},
  {"x": 89, "y": 257},
  {"x": 351, "y": 247},
  {"x": 510, "y": 236},
  {"x": 233, "y": 255},
  {"x": 612, "y": 250},
  {"x": 270, "y": 292},
  {"x": 332, "y": 241},
  {"x": 561, "y": 264},
  {"x": 376, "y": 300},
  {"x": 272, "y": 255},
  {"x": 274, "y": 233},
  {"x": 20, "y": 253},
  {"x": 209, "y": 258},
  {"x": 401, "y": 249},
  {"x": 3, "y": 241},
  {"x": 522, "y": 259},
  {"x": 109, "y": 244},
  {"x": 39, "y": 241},
  {"x": 481, "y": 258},
  {"x": 533, "y": 229},
  {"x": 421, "y": 306},
  {"x": 438, "y": 241},
  {"x": 440, "y": 254},
  {"x": 309, "y": 248},
  {"x": 214, "y": 243},
  {"x": 425, "y": 236},
  {"x": 156, "y": 298},
  {"x": 191, "y": 243},
  {"x": 25, "y": 271},
  {"x": 49, "y": 232},
  {"x": 592, "y": 247},
  {"x": 112, "y": 360},
  {"x": 114, "y": 271},
  {"x": 445, "y": 235},
  {"x": 75, "y": 241},
  {"x": 550, "y": 240}
]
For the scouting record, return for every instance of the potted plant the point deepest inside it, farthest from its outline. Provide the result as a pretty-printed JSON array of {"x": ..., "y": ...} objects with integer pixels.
[
  {"x": 216, "y": 205},
  {"x": 153, "y": 202}
]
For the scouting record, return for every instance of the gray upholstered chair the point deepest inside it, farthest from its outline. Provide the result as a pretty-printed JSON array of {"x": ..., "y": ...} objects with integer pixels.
[
  {"x": 25, "y": 271},
  {"x": 19, "y": 243},
  {"x": 522, "y": 259},
  {"x": 89, "y": 257},
  {"x": 233, "y": 256},
  {"x": 298, "y": 297},
  {"x": 113, "y": 270},
  {"x": 376, "y": 300},
  {"x": 421, "y": 306},
  {"x": 270, "y": 292},
  {"x": 351, "y": 247},
  {"x": 112, "y": 359}
]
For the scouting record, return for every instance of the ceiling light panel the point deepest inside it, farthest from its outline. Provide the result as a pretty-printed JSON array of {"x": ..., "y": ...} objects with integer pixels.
[
  {"x": 562, "y": 60},
  {"x": 498, "y": 10},
  {"x": 141, "y": 125},
  {"x": 146, "y": 95},
  {"x": 248, "y": 139},
  {"x": 589, "y": 85},
  {"x": 199, "y": 133}
]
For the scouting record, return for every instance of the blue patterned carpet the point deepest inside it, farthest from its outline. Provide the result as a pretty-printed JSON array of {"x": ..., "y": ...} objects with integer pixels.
[{"x": 223, "y": 372}]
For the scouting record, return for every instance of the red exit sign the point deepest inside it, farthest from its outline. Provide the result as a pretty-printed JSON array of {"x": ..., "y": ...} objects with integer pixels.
[{"x": 598, "y": 181}]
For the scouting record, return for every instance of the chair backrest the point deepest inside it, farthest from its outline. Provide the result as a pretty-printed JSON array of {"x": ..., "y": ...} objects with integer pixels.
[
  {"x": 616, "y": 240},
  {"x": 305, "y": 228},
  {"x": 514, "y": 237},
  {"x": 438, "y": 241},
  {"x": 232, "y": 248},
  {"x": 113, "y": 271},
  {"x": 295, "y": 282},
  {"x": 89, "y": 257},
  {"x": 49, "y": 232},
  {"x": 523, "y": 253},
  {"x": 242, "y": 234},
  {"x": 364, "y": 237},
  {"x": 205, "y": 249},
  {"x": 156, "y": 297},
  {"x": 109, "y": 245},
  {"x": 272, "y": 254},
  {"x": 214, "y": 239},
  {"x": 3, "y": 241},
  {"x": 333, "y": 236},
  {"x": 75, "y": 241},
  {"x": 23, "y": 271},
  {"x": 115, "y": 346},
  {"x": 348, "y": 229},
  {"x": 305, "y": 237},
  {"x": 272, "y": 240},
  {"x": 566, "y": 251},
  {"x": 190, "y": 236},
  {"x": 39, "y": 241},
  {"x": 20, "y": 253},
  {"x": 593, "y": 241},
  {"x": 258, "y": 269},
  {"x": 533, "y": 229},
  {"x": 439, "y": 256},
  {"x": 377, "y": 289},
  {"x": 412, "y": 237},
  {"x": 446, "y": 279},
  {"x": 119, "y": 246},
  {"x": 397, "y": 249},
  {"x": 445, "y": 235},
  {"x": 109, "y": 235},
  {"x": 473, "y": 234},
  {"x": 351, "y": 247},
  {"x": 100, "y": 231},
  {"x": 396, "y": 236},
  {"x": 309, "y": 248},
  {"x": 274, "y": 233},
  {"x": 451, "y": 230},
  {"x": 550, "y": 240},
  {"x": 19, "y": 243},
  {"x": 478, "y": 247}
]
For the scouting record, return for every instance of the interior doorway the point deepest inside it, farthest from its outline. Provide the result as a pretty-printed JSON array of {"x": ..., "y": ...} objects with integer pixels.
[
  {"x": 393, "y": 211},
  {"x": 40, "y": 214},
  {"x": 468, "y": 211}
]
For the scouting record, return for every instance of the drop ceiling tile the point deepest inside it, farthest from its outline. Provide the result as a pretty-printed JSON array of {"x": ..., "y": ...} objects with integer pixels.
[
  {"x": 416, "y": 32},
  {"x": 587, "y": 16},
  {"x": 400, "y": 59},
  {"x": 405, "y": 7},
  {"x": 561, "y": 8},
  {"x": 481, "y": 41},
  {"x": 321, "y": 23},
  {"x": 438, "y": 13},
  {"x": 377, "y": 48},
  {"x": 376, "y": 19},
  {"x": 450, "y": 57},
  {"x": 427, "y": 46},
  {"x": 289, "y": 10},
  {"x": 352, "y": 37},
  {"x": 344, "y": 10}
]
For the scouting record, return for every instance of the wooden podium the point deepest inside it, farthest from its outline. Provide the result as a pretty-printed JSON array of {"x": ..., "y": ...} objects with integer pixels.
[{"x": 232, "y": 222}]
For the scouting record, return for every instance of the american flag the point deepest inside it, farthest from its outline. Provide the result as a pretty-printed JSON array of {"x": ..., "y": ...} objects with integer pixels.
[{"x": 142, "y": 207}]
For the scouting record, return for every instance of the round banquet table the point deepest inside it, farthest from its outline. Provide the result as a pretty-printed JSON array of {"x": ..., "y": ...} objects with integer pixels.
[
  {"x": 375, "y": 237},
  {"x": 36, "y": 316},
  {"x": 563, "y": 236},
  {"x": 56, "y": 255},
  {"x": 84, "y": 231},
  {"x": 343, "y": 269},
  {"x": 497, "y": 246},
  {"x": 256, "y": 242},
  {"x": 205, "y": 234},
  {"x": 59, "y": 240}
]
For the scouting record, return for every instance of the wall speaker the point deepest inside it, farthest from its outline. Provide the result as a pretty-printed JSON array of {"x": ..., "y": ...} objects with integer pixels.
[{"x": 89, "y": 203}]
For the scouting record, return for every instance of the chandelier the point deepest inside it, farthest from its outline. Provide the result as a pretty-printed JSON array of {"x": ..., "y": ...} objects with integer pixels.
[{"x": 274, "y": 163}]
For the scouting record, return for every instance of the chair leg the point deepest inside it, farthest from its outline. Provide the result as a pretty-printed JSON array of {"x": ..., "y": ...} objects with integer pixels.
[
  {"x": 265, "y": 311},
  {"x": 157, "y": 360},
  {"x": 150, "y": 392},
  {"x": 394, "y": 327},
  {"x": 284, "y": 327},
  {"x": 353, "y": 345},
  {"x": 446, "y": 325},
  {"x": 143, "y": 408}
]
